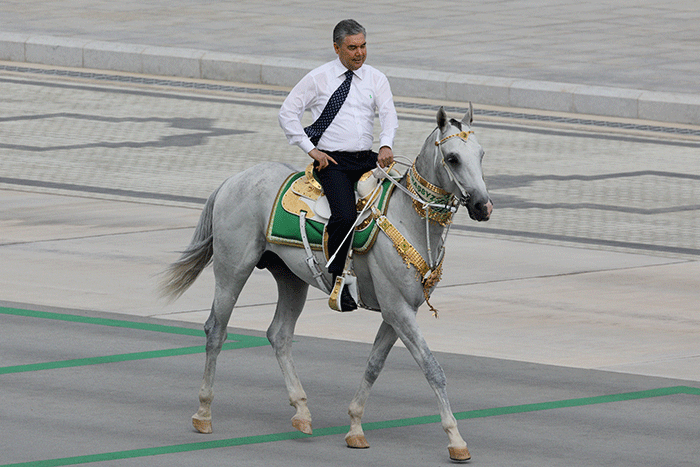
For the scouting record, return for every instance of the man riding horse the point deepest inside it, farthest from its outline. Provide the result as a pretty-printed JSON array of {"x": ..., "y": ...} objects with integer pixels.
[
  {"x": 343, "y": 96},
  {"x": 394, "y": 277}
]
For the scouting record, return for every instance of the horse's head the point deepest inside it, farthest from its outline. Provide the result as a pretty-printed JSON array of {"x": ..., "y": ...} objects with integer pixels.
[{"x": 451, "y": 159}]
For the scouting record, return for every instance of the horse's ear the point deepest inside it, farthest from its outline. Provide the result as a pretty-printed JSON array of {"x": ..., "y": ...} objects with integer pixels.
[
  {"x": 469, "y": 117},
  {"x": 441, "y": 118}
]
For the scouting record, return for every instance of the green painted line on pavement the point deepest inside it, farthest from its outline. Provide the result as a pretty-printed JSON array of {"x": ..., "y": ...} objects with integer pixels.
[
  {"x": 120, "y": 358},
  {"x": 238, "y": 341},
  {"x": 258, "y": 439},
  {"x": 252, "y": 340},
  {"x": 517, "y": 409},
  {"x": 101, "y": 321}
]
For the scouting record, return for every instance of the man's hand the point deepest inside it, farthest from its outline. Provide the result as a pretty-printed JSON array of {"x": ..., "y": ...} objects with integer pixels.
[
  {"x": 385, "y": 157},
  {"x": 322, "y": 158}
]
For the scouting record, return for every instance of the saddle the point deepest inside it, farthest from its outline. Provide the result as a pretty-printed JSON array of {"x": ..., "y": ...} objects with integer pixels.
[{"x": 300, "y": 213}]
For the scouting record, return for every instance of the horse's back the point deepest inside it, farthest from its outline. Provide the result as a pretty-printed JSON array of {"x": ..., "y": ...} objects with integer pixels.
[{"x": 244, "y": 201}]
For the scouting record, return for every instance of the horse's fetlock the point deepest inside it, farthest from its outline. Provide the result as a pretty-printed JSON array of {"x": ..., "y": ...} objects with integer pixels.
[
  {"x": 205, "y": 397},
  {"x": 297, "y": 402},
  {"x": 356, "y": 411}
]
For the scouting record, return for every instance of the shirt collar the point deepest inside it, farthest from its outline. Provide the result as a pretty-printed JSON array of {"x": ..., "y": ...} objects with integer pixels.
[{"x": 339, "y": 69}]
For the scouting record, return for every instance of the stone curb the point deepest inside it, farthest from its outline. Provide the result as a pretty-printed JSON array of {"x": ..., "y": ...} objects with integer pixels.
[{"x": 201, "y": 64}]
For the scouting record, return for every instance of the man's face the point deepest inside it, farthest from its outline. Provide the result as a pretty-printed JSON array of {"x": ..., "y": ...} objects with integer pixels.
[{"x": 352, "y": 52}]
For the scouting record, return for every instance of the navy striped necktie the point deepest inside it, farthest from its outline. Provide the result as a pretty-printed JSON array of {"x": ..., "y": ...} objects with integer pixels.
[{"x": 316, "y": 129}]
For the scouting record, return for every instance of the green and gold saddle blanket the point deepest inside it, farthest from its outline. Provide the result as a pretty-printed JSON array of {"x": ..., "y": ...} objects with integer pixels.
[{"x": 301, "y": 194}]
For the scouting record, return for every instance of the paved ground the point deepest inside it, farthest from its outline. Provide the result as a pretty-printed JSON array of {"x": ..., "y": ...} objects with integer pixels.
[
  {"x": 580, "y": 296},
  {"x": 627, "y": 58},
  {"x": 568, "y": 326},
  {"x": 113, "y": 390},
  {"x": 626, "y": 44}
]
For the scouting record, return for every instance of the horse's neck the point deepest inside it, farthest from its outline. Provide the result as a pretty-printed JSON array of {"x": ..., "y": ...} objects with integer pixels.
[
  {"x": 427, "y": 159},
  {"x": 412, "y": 224},
  {"x": 426, "y": 164}
]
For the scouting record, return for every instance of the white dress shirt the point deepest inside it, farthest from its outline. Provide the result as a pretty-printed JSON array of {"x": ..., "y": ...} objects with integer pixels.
[{"x": 352, "y": 128}]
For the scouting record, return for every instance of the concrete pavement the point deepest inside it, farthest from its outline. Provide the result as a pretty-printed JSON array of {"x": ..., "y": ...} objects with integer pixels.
[
  {"x": 118, "y": 390},
  {"x": 568, "y": 324},
  {"x": 629, "y": 59},
  {"x": 103, "y": 182}
]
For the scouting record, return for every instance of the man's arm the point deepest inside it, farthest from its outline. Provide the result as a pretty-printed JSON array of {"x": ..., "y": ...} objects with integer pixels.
[
  {"x": 389, "y": 122},
  {"x": 291, "y": 112},
  {"x": 322, "y": 158}
]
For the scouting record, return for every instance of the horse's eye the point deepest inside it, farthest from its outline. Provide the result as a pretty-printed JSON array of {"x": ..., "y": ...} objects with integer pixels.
[{"x": 452, "y": 159}]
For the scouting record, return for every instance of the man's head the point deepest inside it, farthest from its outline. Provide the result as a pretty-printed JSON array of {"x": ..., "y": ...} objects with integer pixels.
[{"x": 350, "y": 44}]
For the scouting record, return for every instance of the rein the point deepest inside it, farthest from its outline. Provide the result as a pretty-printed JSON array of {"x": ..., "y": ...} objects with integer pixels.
[{"x": 425, "y": 195}]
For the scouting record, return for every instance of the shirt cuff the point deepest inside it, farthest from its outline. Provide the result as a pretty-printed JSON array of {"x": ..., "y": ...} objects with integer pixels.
[
  {"x": 386, "y": 141},
  {"x": 306, "y": 145}
]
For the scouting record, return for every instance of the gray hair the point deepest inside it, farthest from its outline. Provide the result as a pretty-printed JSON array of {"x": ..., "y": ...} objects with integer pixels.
[{"x": 347, "y": 27}]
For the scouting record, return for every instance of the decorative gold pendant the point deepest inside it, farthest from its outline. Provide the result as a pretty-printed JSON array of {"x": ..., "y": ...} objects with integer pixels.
[{"x": 428, "y": 277}]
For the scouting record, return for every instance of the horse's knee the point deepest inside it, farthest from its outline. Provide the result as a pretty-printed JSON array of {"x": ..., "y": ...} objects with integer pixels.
[{"x": 435, "y": 374}]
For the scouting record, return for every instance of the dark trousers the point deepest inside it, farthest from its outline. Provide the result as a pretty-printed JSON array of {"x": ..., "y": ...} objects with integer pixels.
[{"x": 338, "y": 184}]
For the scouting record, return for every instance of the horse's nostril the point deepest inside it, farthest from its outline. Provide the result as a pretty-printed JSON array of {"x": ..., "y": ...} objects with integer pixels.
[{"x": 480, "y": 211}]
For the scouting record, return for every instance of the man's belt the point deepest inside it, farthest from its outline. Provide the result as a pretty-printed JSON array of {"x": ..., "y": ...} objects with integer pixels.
[{"x": 350, "y": 154}]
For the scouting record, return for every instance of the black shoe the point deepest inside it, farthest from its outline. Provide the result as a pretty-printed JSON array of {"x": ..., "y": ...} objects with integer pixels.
[{"x": 347, "y": 303}]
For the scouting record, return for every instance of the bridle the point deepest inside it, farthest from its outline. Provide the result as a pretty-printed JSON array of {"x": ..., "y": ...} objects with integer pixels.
[
  {"x": 437, "y": 202},
  {"x": 464, "y": 136}
]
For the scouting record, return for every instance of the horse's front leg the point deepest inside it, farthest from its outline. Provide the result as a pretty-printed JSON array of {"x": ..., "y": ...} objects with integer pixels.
[
  {"x": 403, "y": 320},
  {"x": 385, "y": 340}
]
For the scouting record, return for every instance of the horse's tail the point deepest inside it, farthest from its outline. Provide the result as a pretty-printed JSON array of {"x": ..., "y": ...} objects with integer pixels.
[{"x": 181, "y": 274}]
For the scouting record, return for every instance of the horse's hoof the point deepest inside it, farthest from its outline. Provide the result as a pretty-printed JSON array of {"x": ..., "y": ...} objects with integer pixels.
[
  {"x": 302, "y": 425},
  {"x": 203, "y": 426},
  {"x": 357, "y": 441},
  {"x": 459, "y": 454}
]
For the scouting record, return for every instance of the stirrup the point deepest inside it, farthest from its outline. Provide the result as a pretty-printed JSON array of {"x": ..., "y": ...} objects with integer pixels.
[{"x": 346, "y": 279}]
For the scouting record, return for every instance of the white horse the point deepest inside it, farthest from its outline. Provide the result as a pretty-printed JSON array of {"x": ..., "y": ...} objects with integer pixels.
[{"x": 232, "y": 233}]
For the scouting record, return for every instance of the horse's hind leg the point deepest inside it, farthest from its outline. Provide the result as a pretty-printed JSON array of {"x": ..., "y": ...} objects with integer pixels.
[
  {"x": 292, "y": 293},
  {"x": 230, "y": 279},
  {"x": 385, "y": 340}
]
